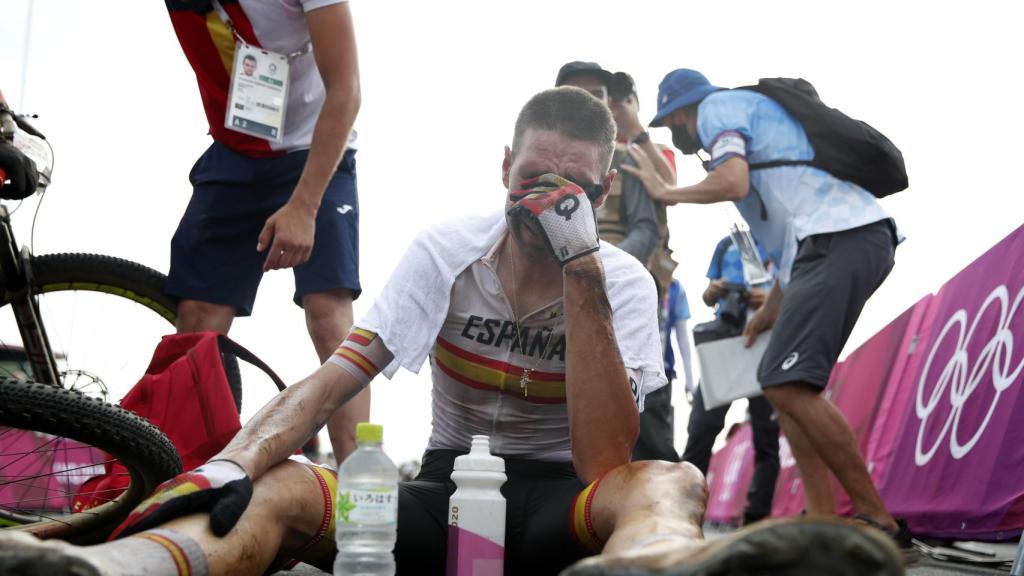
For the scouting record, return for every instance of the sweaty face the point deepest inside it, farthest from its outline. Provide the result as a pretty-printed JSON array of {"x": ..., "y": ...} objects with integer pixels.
[{"x": 545, "y": 152}]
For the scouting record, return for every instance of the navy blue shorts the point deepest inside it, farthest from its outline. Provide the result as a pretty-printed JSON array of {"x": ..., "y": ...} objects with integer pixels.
[{"x": 213, "y": 252}]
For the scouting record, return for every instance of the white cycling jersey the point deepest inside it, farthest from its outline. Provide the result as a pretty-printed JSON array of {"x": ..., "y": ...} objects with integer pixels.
[{"x": 478, "y": 357}]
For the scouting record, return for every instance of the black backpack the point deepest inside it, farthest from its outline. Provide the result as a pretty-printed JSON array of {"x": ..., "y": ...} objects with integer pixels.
[{"x": 845, "y": 148}]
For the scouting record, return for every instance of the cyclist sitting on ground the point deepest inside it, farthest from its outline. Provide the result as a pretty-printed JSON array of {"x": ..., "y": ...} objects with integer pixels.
[{"x": 539, "y": 337}]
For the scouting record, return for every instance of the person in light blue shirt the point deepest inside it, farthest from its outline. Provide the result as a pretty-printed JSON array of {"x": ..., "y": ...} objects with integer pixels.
[{"x": 834, "y": 245}]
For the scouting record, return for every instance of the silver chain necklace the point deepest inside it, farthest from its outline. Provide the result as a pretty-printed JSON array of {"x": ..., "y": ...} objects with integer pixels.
[{"x": 524, "y": 378}]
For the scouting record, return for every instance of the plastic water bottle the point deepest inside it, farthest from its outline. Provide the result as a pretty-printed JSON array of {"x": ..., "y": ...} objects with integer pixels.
[
  {"x": 366, "y": 510},
  {"x": 476, "y": 513}
]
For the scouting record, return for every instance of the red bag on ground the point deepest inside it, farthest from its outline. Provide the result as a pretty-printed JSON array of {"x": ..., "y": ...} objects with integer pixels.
[{"x": 185, "y": 394}]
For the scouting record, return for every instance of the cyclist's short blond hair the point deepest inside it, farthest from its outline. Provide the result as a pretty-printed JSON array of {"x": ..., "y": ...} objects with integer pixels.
[{"x": 572, "y": 112}]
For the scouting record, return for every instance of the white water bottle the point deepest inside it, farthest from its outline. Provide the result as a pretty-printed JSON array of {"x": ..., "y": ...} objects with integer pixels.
[
  {"x": 476, "y": 513},
  {"x": 366, "y": 509}
]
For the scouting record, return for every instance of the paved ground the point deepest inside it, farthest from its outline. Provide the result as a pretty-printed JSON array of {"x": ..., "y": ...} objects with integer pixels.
[
  {"x": 926, "y": 567},
  {"x": 929, "y": 567}
]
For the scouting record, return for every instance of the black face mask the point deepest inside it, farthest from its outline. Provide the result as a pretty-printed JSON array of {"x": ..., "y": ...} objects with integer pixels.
[{"x": 682, "y": 140}]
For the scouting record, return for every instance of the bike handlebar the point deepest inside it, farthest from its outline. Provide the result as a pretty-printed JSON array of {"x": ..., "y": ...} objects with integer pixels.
[
  {"x": 23, "y": 123},
  {"x": 7, "y": 118}
]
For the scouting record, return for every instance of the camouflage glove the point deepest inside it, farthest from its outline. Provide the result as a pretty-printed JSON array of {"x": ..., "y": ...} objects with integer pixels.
[
  {"x": 560, "y": 212},
  {"x": 220, "y": 487}
]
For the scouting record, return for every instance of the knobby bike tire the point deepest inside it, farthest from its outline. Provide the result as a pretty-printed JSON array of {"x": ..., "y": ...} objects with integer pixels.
[
  {"x": 149, "y": 456},
  {"x": 96, "y": 273},
  {"x": 134, "y": 282},
  {"x": 141, "y": 284}
]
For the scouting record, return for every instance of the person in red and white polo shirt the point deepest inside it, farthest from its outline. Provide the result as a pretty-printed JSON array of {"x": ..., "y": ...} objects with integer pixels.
[{"x": 261, "y": 203}]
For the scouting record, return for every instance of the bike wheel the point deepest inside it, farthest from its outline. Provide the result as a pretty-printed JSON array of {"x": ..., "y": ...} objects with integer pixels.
[
  {"x": 53, "y": 439},
  {"x": 104, "y": 316}
]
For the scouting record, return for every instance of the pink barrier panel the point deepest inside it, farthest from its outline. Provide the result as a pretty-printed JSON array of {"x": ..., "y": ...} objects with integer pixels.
[
  {"x": 789, "y": 491},
  {"x": 957, "y": 467},
  {"x": 729, "y": 475},
  {"x": 891, "y": 414},
  {"x": 42, "y": 472},
  {"x": 856, "y": 387}
]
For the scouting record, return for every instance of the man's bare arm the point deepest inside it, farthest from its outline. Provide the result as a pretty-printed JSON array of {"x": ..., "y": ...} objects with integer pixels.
[
  {"x": 730, "y": 180},
  {"x": 293, "y": 416},
  {"x": 289, "y": 419},
  {"x": 603, "y": 418},
  {"x": 766, "y": 315},
  {"x": 289, "y": 232}
]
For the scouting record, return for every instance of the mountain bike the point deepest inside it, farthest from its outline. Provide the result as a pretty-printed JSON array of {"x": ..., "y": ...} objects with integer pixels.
[{"x": 73, "y": 328}]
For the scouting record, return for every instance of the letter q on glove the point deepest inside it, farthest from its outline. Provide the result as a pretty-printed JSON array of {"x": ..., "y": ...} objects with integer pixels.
[
  {"x": 219, "y": 487},
  {"x": 562, "y": 211}
]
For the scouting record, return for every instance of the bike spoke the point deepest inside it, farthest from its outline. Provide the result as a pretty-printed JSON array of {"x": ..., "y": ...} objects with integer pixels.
[
  {"x": 36, "y": 514},
  {"x": 59, "y": 493},
  {"x": 16, "y": 460},
  {"x": 23, "y": 478}
]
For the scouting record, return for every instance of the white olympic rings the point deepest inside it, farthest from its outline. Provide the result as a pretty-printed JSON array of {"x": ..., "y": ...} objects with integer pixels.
[{"x": 963, "y": 378}]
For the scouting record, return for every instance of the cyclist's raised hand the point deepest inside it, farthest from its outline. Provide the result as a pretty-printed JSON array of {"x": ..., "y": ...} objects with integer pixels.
[
  {"x": 560, "y": 212},
  {"x": 289, "y": 233},
  {"x": 220, "y": 487}
]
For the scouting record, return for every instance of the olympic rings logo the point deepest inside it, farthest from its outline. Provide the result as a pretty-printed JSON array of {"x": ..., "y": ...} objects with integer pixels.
[{"x": 962, "y": 378}]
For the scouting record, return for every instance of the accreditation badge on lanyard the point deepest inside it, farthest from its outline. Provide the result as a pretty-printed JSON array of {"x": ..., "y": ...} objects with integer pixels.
[
  {"x": 259, "y": 91},
  {"x": 258, "y": 96}
]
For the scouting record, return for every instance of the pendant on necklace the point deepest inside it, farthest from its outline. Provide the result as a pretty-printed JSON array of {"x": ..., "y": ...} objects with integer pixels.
[{"x": 524, "y": 382}]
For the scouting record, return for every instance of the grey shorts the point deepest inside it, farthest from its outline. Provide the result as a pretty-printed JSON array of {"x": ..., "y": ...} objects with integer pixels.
[{"x": 833, "y": 276}]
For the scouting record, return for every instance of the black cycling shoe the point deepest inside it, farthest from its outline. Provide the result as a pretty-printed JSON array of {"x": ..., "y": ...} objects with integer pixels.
[
  {"x": 790, "y": 547},
  {"x": 901, "y": 536}
]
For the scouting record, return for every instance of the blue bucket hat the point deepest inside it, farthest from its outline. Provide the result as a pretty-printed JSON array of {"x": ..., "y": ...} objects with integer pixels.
[{"x": 681, "y": 88}]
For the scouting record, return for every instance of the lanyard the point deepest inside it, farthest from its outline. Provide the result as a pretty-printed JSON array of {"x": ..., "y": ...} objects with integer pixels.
[{"x": 223, "y": 14}]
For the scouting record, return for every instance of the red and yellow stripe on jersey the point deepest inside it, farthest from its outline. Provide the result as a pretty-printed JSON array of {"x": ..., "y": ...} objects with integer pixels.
[
  {"x": 209, "y": 47},
  {"x": 362, "y": 354},
  {"x": 484, "y": 373}
]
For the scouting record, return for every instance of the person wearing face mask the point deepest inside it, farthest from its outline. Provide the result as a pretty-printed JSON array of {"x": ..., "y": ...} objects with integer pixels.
[
  {"x": 635, "y": 223},
  {"x": 834, "y": 245}
]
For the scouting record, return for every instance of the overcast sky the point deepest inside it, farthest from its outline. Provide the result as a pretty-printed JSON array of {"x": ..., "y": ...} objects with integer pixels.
[{"x": 442, "y": 83}]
